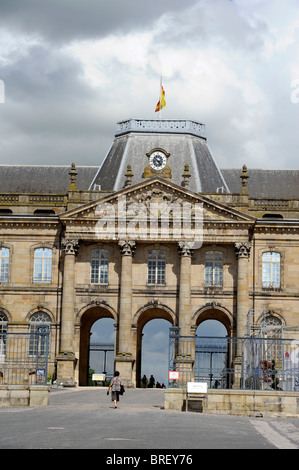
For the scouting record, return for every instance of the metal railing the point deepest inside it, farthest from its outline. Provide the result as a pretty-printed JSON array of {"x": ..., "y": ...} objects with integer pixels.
[
  {"x": 249, "y": 363},
  {"x": 24, "y": 357}
]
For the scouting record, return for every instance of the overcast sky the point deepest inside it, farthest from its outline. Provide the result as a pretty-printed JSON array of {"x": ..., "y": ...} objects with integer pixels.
[{"x": 71, "y": 69}]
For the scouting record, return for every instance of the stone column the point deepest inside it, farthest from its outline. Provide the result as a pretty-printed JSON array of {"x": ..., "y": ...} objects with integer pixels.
[
  {"x": 185, "y": 288},
  {"x": 66, "y": 357},
  {"x": 242, "y": 253},
  {"x": 185, "y": 358},
  {"x": 124, "y": 359}
]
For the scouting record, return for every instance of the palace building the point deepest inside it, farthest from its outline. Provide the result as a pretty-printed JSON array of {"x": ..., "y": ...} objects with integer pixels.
[{"x": 157, "y": 231}]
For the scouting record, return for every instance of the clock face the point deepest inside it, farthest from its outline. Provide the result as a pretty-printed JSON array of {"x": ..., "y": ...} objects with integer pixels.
[{"x": 157, "y": 160}]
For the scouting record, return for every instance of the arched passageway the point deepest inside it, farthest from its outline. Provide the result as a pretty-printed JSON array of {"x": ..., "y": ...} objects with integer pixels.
[
  {"x": 218, "y": 315},
  {"x": 155, "y": 345},
  {"x": 212, "y": 349},
  {"x": 152, "y": 342},
  {"x": 101, "y": 348},
  {"x": 88, "y": 327}
]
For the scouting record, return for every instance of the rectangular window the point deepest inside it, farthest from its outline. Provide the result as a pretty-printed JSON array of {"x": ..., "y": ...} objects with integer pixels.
[
  {"x": 99, "y": 267},
  {"x": 271, "y": 269},
  {"x": 42, "y": 265},
  {"x": 4, "y": 264},
  {"x": 214, "y": 268},
  {"x": 156, "y": 267}
]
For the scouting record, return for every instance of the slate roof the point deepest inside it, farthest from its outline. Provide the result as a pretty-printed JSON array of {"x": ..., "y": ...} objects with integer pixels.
[
  {"x": 52, "y": 179},
  {"x": 263, "y": 183},
  {"x": 183, "y": 140}
]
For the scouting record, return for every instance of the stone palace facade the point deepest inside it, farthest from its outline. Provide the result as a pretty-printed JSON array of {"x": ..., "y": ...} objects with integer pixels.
[{"x": 157, "y": 231}]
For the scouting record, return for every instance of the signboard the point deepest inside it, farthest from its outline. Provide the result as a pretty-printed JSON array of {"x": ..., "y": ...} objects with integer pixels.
[
  {"x": 98, "y": 377},
  {"x": 173, "y": 375},
  {"x": 197, "y": 387}
]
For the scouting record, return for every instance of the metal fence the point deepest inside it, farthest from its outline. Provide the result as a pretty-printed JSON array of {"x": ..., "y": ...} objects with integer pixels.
[
  {"x": 24, "y": 357},
  {"x": 250, "y": 363}
]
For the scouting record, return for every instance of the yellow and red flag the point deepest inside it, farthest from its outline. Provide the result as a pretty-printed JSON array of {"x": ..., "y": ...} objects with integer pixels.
[{"x": 161, "y": 103}]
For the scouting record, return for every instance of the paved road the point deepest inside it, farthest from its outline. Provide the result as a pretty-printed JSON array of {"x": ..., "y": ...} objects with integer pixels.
[{"x": 84, "y": 418}]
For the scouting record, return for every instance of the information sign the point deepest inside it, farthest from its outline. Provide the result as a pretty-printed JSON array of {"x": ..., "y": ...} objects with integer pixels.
[
  {"x": 173, "y": 375},
  {"x": 98, "y": 377},
  {"x": 197, "y": 387}
]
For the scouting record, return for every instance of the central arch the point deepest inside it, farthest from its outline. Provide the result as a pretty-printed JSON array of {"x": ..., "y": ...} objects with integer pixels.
[
  {"x": 214, "y": 312},
  {"x": 88, "y": 317},
  {"x": 213, "y": 352},
  {"x": 142, "y": 317}
]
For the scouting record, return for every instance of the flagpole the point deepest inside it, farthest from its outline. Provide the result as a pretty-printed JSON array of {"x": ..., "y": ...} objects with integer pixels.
[{"x": 160, "y": 112}]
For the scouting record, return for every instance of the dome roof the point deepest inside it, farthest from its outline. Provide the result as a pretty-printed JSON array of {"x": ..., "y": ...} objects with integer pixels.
[{"x": 183, "y": 140}]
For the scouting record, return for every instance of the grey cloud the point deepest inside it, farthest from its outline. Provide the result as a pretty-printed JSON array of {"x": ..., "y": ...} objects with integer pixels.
[
  {"x": 52, "y": 114},
  {"x": 65, "y": 20}
]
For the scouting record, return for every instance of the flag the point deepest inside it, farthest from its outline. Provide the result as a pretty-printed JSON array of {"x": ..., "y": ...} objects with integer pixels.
[{"x": 161, "y": 103}]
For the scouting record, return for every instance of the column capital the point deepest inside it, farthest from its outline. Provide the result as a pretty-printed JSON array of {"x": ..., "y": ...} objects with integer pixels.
[
  {"x": 70, "y": 246},
  {"x": 127, "y": 247},
  {"x": 185, "y": 248},
  {"x": 242, "y": 249}
]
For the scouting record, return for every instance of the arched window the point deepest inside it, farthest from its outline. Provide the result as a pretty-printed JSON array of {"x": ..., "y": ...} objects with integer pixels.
[
  {"x": 42, "y": 265},
  {"x": 271, "y": 322},
  {"x": 214, "y": 268},
  {"x": 4, "y": 264},
  {"x": 156, "y": 267},
  {"x": 271, "y": 329},
  {"x": 99, "y": 266},
  {"x": 37, "y": 344},
  {"x": 271, "y": 269},
  {"x": 3, "y": 331}
]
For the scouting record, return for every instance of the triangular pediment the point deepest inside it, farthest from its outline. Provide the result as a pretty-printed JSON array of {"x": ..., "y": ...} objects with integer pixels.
[{"x": 156, "y": 194}]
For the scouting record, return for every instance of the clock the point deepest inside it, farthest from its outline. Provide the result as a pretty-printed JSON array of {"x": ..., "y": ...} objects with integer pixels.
[
  {"x": 157, "y": 164},
  {"x": 157, "y": 160}
]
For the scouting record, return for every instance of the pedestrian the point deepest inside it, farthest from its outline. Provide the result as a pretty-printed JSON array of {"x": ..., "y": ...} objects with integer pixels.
[
  {"x": 151, "y": 382},
  {"x": 115, "y": 386},
  {"x": 144, "y": 380}
]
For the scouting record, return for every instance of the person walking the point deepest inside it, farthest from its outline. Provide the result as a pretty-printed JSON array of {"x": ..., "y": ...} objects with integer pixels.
[
  {"x": 144, "y": 380},
  {"x": 151, "y": 382},
  {"x": 115, "y": 385}
]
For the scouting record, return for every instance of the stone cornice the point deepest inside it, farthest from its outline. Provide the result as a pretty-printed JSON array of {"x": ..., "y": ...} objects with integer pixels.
[{"x": 32, "y": 222}]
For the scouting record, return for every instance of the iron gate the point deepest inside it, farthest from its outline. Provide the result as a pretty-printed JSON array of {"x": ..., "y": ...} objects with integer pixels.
[
  {"x": 211, "y": 358},
  {"x": 253, "y": 363},
  {"x": 24, "y": 357}
]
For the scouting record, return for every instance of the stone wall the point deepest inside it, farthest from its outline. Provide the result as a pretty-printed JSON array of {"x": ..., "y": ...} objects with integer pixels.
[
  {"x": 236, "y": 402},
  {"x": 22, "y": 395}
]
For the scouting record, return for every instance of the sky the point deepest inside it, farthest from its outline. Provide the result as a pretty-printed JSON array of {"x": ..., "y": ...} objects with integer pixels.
[{"x": 70, "y": 70}]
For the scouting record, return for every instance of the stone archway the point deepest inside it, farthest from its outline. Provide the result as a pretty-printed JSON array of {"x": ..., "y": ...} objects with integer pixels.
[
  {"x": 142, "y": 317},
  {"x": 213, "y": 312},
  {"x": 88, "y": 317},
  {"x": 213, "y": 353}
]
